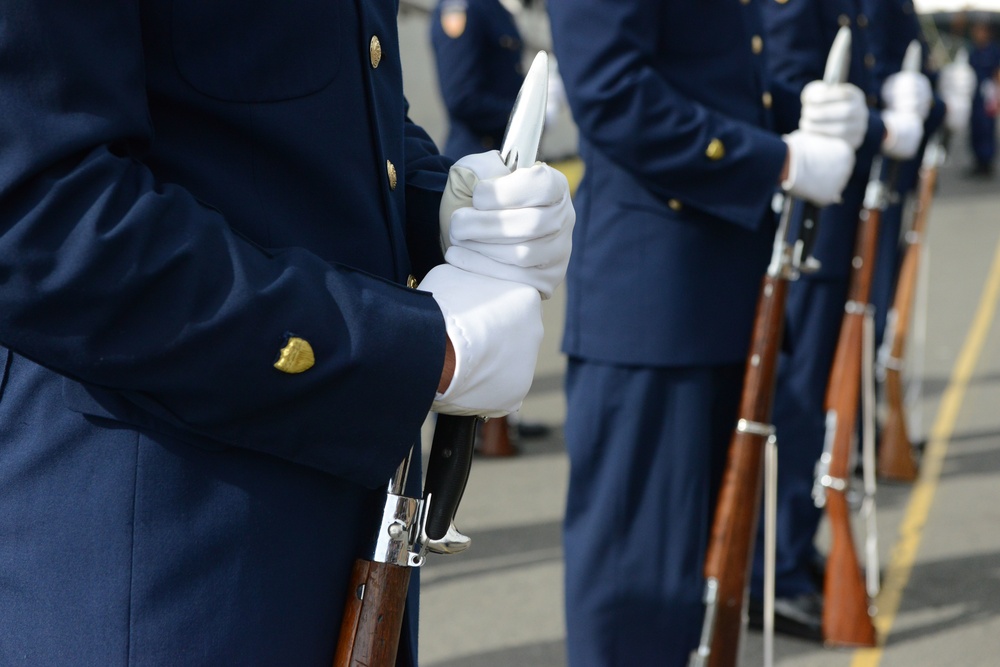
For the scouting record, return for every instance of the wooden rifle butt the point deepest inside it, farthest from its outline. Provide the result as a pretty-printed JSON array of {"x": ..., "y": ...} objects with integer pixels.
[
  {"x": 846, "y": 617},
  {"x": 373, "y": 615},
  {"x": 734, "y": 526},
  {"x": 730, "y": 556},
  {"x": 895, "y": 451}
]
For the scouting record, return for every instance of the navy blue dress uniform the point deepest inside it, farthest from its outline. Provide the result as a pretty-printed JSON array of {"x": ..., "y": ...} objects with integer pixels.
[
  {"x": 984, "y": 57},
  {"x": 674, "y": 231},
  {"x": 889, "y": 50},
  {"x": 477, "y": 48},
  {"x": 800, "y": 35},
  {"x": 211, "y": 360}
]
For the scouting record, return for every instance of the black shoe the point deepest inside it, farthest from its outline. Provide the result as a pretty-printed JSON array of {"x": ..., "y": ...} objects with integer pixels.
[{"x": 800, "y": 616}]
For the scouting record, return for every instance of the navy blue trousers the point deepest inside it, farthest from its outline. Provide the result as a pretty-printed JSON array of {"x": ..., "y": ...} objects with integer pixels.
[
  {"x": 982, "y": 133},
  {"x": 813, "y": 314},
  {"x": 647, "y": 448}
]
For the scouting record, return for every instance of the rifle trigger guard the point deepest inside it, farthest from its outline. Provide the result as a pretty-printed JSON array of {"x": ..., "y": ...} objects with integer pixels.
[{"x": 755, "y": 428}]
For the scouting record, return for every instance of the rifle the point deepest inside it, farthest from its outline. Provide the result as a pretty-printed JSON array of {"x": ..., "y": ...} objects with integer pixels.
[
  {"x": 729, "y": 556},
  {"x": 847, "y": 615},
  {"x": 895, "y": 456},
  {"x": 411, "y": 527}
]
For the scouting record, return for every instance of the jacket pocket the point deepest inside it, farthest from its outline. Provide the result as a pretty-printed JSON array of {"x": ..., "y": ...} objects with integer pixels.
[{"x": 258, "y": 51}]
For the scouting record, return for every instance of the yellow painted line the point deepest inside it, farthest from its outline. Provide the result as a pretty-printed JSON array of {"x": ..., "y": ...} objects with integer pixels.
[{"x": 911, "y": 530}]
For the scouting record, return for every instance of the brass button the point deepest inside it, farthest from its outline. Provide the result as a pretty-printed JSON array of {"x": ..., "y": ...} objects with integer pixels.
[
  {"x": 675, "y": 205},
  {"x": 844, "y": 20},
  {"x": 780, "y": 2},
  {"x": 756, "y": 44},
  {"x": 375, "y": 51},
  {"x": 767, "y": 100},
  {"x": 296, "y": 356},
  {"x": 390, "y": 169},
  {"x": 862, "y": 21},
  {"x": 747, "y": 2},
  {"x": 716, "y": 150},
  {"x": 869, "y": 61},
  {"x": 411, "y": 282}
]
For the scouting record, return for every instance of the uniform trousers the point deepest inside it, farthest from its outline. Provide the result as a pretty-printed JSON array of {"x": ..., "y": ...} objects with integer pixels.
[
  {"x": 647, "y": 448},
  {"x": 982, "y": 133},
  {"x": 813, "y": 313}
]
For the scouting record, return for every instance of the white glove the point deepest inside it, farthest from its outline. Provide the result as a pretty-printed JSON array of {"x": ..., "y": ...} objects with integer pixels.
[
  {"x": 957, "y": 84},
  {"x": 903, "y": 132},
  {"x": 495, "y": 327},
  {"x": 512, "y": 226},
  {"x": 834, "y": 110},
  {"x": 908, "y": 91},
  {"x": 818, "y": 167}
]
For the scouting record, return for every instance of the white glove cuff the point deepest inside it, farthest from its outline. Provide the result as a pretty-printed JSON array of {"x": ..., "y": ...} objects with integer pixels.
[
  {"x": 818, "y": 167},
  {"x": 903, "y": 132},
  {"x": 495, "y": 328}
]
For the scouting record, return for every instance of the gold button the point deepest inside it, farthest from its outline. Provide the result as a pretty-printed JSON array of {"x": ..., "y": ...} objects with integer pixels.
[
  {"x": 716, "y": 150},
  {"x": 375, "y": 51},
  {"x": 675, "y": 205},
  {"x": 296, "y": 356},
  {"x": 869, "y": 61},
  {"x": 767, "y": 100},
  {"x": 745, "y": 2},
  {"x": 844, "y": 20},
  {"x": 756, "y": 44},
  {"x": 780, "y": 2},
  {"x": 390, "y": 169},
  {"x": 411, "y": 282},
  {"x": 862, "y": 21}
]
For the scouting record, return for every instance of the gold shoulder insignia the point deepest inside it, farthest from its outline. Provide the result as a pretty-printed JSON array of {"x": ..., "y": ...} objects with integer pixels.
[
  {"x": 453, "y": 22},
  {"x": 296, "y": 356}
]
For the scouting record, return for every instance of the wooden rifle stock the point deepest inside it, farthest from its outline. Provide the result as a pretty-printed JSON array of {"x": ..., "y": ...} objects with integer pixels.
[
  {"x": 895, "y": 457},
  {"x": 734, "y": 527},
  {"x": 373, "y": 615},
  {"x": 846, "y": 617}
]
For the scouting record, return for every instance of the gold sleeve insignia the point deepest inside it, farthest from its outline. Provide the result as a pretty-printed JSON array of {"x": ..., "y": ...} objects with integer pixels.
[{"x": 296, "y": 356}]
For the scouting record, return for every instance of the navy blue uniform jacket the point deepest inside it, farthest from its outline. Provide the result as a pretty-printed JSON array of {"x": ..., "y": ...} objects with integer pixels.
[
  {"x": 674, "y": 226},
  {"x": 183, "y": 186}
]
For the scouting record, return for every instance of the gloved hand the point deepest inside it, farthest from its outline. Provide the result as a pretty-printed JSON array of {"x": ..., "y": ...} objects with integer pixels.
[
  {"x": 908, "y": 91},
  {"x": 956, "y": 84},
  {"x": 834, "y": 110},
  {"x": 512, "y": 226},
  {"x": 818, "y": 167},
  {"x": 495, "y": 327},
  {"x": 903, "y": 132}
]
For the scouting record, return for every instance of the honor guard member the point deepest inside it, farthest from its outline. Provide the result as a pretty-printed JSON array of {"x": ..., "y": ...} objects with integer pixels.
[
  {"x": 478, "y": 52},
  {"x": 889, "y": 51},
  {"x": 212, "y": 360},
  {"x": 984, "y": 57},
  {"x": 675, "y": 110},
  {"x": 800, "y": 34}
]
